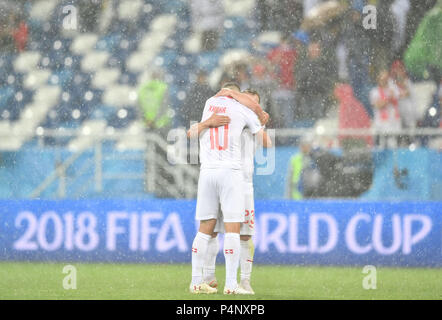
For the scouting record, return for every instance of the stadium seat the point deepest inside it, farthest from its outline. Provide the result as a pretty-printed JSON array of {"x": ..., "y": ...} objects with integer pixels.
[
  {"x": 240, "y": 8},
  {"x": 36, "y": 79},
  {"x": 41, "y": 10},
  {"x": 105, "y": 77},
  {"x": 84, "y": 43},
  {"x": 192, "y": 44},
  {"x": 26, "y": 61},
  {"x": 164, "y": 23},
  {"x": 48, "y": 95},
  {"x": 140, "y": 60},
  {"x": 152, "y": 41},
  {"x": 129, "y": 9},
  {"x": 13, "y": 143},
  {"x": 94, "y": 61},
  {"x": 120, "y": 96},
  {"x": 5, "y": 128}
]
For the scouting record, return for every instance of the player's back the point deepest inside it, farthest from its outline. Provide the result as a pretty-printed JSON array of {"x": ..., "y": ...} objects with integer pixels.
[{"x": 221, "y": 147}]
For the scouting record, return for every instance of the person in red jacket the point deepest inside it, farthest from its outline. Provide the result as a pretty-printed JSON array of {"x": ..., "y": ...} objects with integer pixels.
[
  {"x": 20, "y": 35},
  {"x": 352, "y": 115}
]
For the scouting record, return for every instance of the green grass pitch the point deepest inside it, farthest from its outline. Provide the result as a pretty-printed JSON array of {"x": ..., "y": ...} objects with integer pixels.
[{"x": 170, "y": 282}]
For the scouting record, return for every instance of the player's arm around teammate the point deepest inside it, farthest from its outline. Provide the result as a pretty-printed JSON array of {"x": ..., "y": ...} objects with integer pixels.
[
  {"x": 214, "y": 121},
  {"x": 250, "y": 98},
  {"x": 247, "y": 100}
]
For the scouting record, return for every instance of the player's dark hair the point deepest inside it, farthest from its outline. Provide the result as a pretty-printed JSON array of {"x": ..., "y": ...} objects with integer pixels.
[
  {"x": 231, "y": 85},
  {"x": 253, "y": 91}
]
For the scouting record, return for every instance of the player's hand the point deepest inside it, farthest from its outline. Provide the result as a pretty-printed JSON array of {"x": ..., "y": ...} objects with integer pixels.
[
  {"x": 217, "y": 120},
  {"x": 263, "y": 117},
  {"x": 224, "y": 93}
]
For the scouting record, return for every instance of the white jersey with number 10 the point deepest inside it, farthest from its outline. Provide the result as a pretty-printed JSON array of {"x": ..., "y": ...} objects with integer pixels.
[{"x": 221, "y": 147}]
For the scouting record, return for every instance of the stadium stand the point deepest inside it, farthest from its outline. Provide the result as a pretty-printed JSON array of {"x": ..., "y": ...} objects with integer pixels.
[{"x": 80, "y": 86}]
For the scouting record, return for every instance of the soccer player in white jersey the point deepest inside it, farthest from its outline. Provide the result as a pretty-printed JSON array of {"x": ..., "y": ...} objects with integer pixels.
[
  {"x": 248, "y": 226},
  {"x": 221, "y": 183}
]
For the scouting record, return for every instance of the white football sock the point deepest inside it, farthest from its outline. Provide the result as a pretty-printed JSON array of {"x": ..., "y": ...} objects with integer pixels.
[
  {"x": 210, "y": 260},
  {"x": 199, "y": 249},
  {"x": 232, "y": 250},
  {"x": 246, "y": 260}
]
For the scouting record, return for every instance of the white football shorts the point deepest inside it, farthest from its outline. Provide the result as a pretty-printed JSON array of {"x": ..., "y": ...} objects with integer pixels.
[
  {"x": 220, "y": 186},
  {"x": 248, "y": 226}
]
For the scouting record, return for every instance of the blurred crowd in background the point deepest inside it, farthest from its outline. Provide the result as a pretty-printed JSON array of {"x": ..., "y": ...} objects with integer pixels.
[
  {"x": 325, "y": 60},
  {"x": 122, "y": 66}
]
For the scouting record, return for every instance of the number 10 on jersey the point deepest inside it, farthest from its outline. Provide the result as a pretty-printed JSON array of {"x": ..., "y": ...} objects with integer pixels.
[{"x": 214, "y": 138}]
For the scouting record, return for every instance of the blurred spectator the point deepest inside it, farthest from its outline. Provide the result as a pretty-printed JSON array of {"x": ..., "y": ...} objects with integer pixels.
[
  {"x": 351, "y": 115},
  {"x": 154, "y": 103},
  {"x": 400, "y": 8},
  {"x": 207, "y": 19},
  {"x": 196, "y": 98},
  {"x": 13, "y": 27},
  {"x": 384, "y": 99},
  {"x": 357, "y": 45},
  {"x": 280, "y": 15},
  {"x": 418, "y": 9},
  {"x": 20, "y": 33},
  {"x": 407, "y": 100},
  {"x": 263, "y": 7},
  {"x": 6, "y": 39},
  {"x": 287, "y": 15},
  {"x": 312, "y": 85},
  {"x": 263, "y": 81},
  {"x": 329, "y": 37},
  {"x": 423, "y": 57},
  {"x": 303, "y": 177},
  {"x": 433, "y": 116},
  {"x": 382, "y": 37},
  {"x": 283, "y": 59}
]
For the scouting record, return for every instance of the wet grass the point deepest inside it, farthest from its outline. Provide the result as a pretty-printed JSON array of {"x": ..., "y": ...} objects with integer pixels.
[{"x": 170, "y": 282}]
